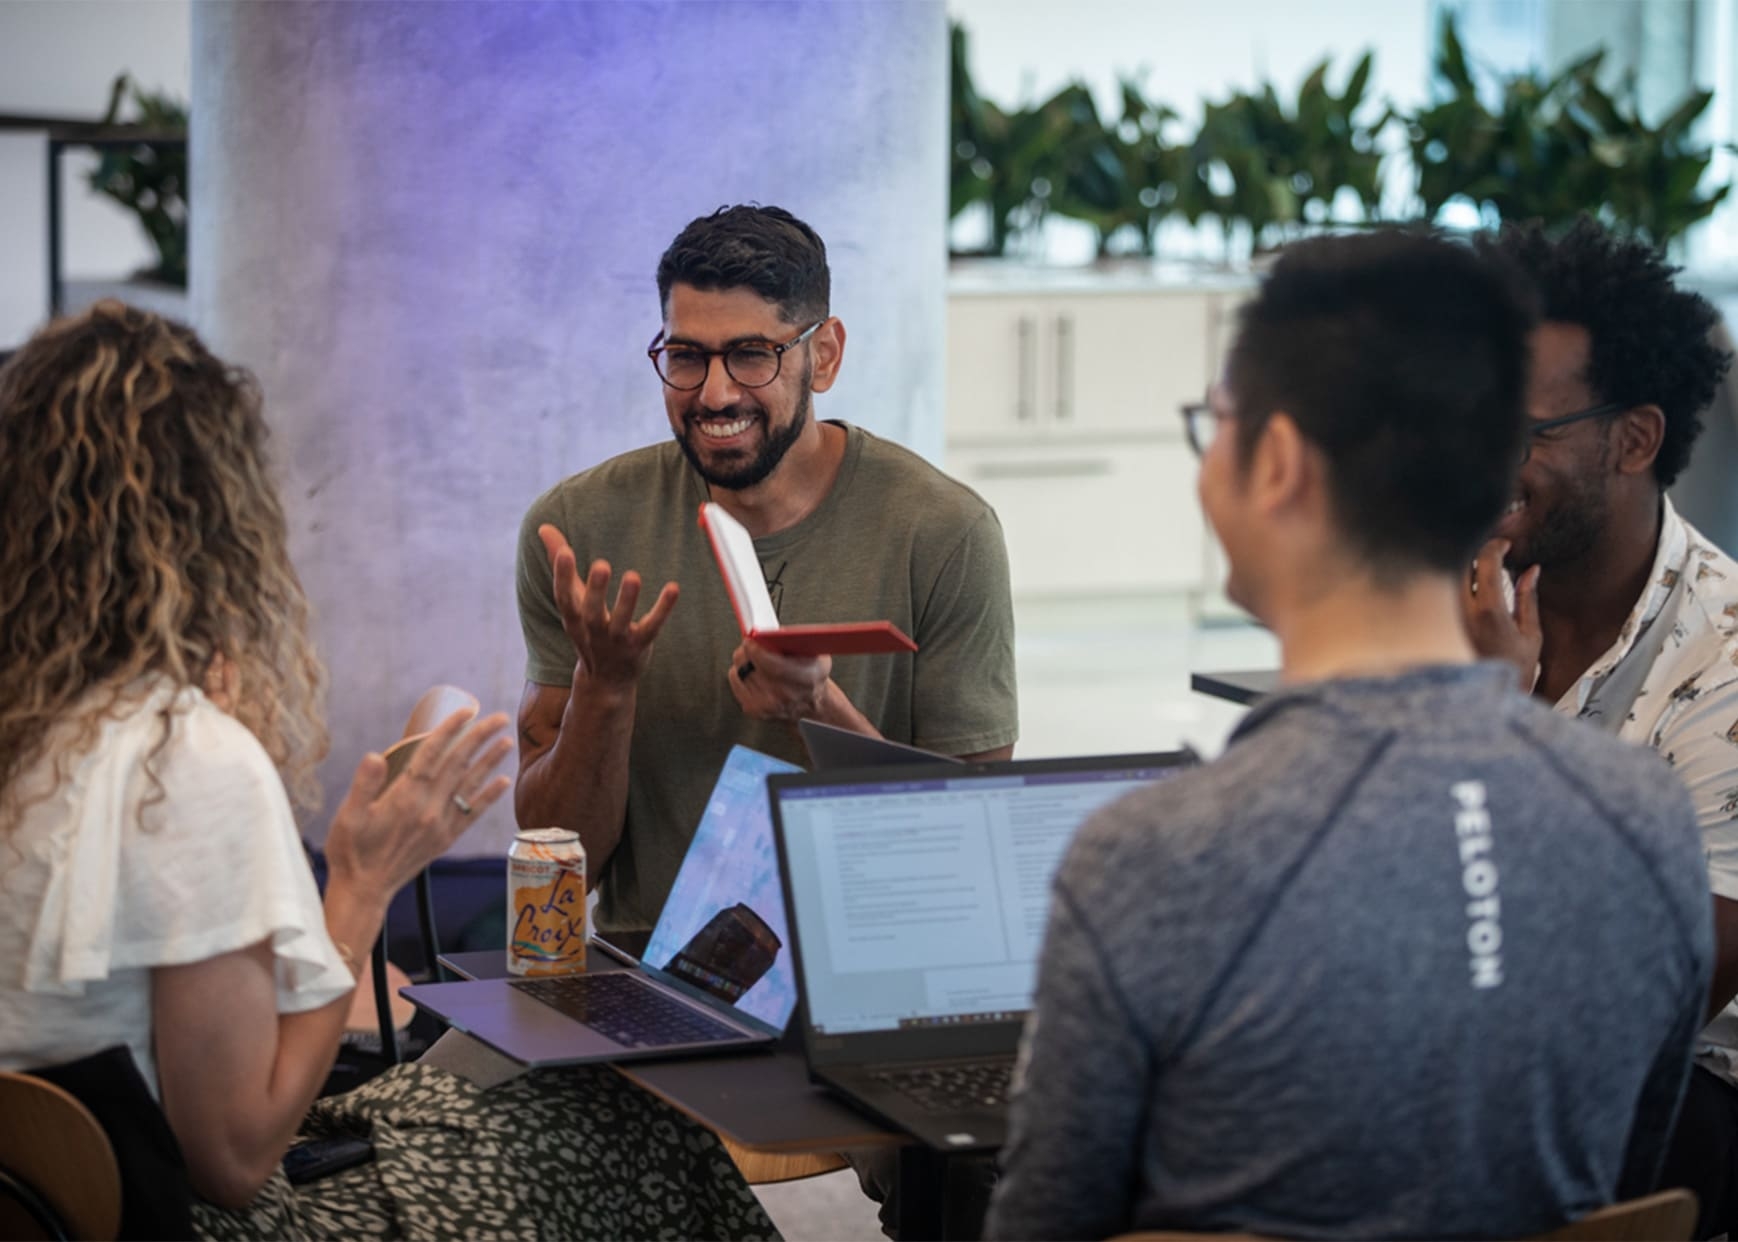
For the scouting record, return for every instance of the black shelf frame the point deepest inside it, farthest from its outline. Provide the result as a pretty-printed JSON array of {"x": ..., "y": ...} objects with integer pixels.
[{"x": 66, "y": 134}]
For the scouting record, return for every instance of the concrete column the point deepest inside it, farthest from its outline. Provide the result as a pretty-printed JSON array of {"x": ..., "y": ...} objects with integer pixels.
[{"x": 432, "y": 230}]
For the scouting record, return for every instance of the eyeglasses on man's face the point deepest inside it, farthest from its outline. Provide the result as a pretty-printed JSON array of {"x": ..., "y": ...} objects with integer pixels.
[
  {"x": 1200, "y": 425},
  {"x": 1535, "y": 430},
  {"x": 752, "y": 364}
]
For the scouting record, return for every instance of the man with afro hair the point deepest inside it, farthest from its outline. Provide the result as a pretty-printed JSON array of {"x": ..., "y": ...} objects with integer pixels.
[{"x": 1619, "y": 611}]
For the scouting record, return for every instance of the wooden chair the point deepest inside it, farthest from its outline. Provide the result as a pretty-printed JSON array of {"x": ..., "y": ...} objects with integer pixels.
[
  {"x": 1665, "y": 1216},
  {"x": 432, "y": 708},
  {"x": 58, "y": 1177}
]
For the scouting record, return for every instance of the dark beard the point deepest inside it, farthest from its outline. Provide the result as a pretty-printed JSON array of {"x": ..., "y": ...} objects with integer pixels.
[
  {"x": 772, "y": 450},
  {"x": 1566, "y": 534}
]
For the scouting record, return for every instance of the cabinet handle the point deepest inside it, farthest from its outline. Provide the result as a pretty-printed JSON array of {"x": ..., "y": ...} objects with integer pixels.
[
  {"x": 1064, "y": 367},
  {"x": 1026, "y": 376},
  {"x": 1078, "y": 469}
]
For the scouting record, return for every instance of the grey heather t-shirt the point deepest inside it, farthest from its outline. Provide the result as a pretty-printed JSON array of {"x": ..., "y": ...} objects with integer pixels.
[
  {"x": 1415, "y": 957},
  {"x": 895, "y": 539}
]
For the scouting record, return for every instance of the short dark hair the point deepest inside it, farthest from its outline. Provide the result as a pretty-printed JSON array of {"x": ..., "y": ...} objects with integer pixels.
[
  {"x": 1402, "y": 356},
  {"x": 1650, "y": 342},
  {"x": 765, "y": 249}
]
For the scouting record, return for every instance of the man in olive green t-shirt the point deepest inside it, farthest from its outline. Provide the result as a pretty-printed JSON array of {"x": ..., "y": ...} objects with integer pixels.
[{"x": 622, "y": 743}]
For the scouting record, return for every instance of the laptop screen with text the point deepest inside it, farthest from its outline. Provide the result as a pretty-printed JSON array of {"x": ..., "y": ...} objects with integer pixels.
[{"x": 922, "y": 902}]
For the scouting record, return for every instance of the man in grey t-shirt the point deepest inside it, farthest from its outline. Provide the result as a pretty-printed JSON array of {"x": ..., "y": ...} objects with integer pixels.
[
  {"x": 1416, "y": 957},
  {"x": 621, "y": 743}
]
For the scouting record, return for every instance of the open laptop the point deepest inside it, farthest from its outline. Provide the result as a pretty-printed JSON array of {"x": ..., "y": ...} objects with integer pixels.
[
  {"x": 917, "y": 902},
  {"x": 831, "y": 747},
  {"x": 715, "y": 976}
]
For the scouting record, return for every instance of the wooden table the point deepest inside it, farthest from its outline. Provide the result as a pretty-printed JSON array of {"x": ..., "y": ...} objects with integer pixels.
[
  {"x": 762, "y": 1104},
  {"x": 761, "y": 1099}
]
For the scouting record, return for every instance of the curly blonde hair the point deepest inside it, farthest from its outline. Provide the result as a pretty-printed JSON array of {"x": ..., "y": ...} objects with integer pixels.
[{"x": 140, "y": 536}]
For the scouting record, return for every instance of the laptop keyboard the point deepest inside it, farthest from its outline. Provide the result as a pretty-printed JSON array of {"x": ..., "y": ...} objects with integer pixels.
[
  {"x": 954, "y": 1088},
  {"x": 616, "y": 1004}
]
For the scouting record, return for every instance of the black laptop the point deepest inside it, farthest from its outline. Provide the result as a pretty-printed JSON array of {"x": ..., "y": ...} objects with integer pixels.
[
  {"x": 831, "y": 747},
  {"x": 917, "y": 899}
]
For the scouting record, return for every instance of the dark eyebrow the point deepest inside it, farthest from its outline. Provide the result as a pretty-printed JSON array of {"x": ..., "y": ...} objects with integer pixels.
[{"x": 753, "y": 338}]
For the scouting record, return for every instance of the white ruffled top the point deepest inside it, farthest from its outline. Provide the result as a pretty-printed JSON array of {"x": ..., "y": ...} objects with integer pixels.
[{"x": 110, "y": 875}]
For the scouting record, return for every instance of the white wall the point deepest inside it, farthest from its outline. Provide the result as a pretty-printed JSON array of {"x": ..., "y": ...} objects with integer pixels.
[
  {"x": 58, "y": 57},
  {"x": 1023, "y": 50}
]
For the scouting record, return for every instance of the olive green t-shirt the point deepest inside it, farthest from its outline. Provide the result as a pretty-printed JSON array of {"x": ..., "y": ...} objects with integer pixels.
[{"x": 895, "y": 539}]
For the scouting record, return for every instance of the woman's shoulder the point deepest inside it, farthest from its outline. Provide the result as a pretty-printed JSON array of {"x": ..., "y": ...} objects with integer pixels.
[
  {"x": 159, "y": 743},
  {"x": 209, "y": 757}
]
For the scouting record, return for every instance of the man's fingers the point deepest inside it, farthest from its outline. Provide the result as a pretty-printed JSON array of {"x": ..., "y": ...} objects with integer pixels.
[
  {"x": 1486, "y": 568},
  {"x": 561, "y": 563},
  {"x": 796, "y": 669},
  {"x": 621, "y": 617},
  {"x": 597, "y": 581},
  {"x": 646, "y": 629},
  {"x": 554, "y": 542},
  {"x": 1527, "y": 603},
  {"x": 565, "y": 584}
]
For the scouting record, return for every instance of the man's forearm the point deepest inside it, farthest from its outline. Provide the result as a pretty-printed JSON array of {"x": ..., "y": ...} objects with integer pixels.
[{"x": 580, "y": 782}]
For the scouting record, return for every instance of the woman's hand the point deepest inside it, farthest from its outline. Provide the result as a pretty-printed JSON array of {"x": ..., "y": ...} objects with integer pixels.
[
  {"x": 236, "y": 1075},
  {"x": 384, "y": 834}
]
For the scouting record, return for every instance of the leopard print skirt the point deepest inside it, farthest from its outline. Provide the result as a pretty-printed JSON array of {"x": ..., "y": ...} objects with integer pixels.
[{"x": 559, "y": 1153}]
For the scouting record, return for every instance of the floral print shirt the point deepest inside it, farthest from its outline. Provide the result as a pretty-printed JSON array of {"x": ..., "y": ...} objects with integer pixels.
[{"x": 1670, "y": 681}]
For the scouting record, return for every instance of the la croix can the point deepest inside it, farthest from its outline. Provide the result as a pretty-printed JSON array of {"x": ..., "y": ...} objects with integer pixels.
[{"x": 546, "y": 921}]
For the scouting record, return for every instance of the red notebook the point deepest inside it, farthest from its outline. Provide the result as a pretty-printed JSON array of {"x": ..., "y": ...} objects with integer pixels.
[{"x": 733, "y": 547}]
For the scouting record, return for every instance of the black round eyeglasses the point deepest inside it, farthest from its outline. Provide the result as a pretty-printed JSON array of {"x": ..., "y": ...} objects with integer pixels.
[{"x": 752, "y": 364}]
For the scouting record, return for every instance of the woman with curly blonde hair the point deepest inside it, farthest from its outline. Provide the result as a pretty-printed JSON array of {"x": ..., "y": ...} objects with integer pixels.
[
  {"x": 140, "y": 537},
  {"x": 158, "y": 691}
]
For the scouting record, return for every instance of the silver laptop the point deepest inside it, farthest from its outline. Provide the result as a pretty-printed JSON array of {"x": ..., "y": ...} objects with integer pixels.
[
  {"x": 716, "y": 975},
  {"x": 918, "y": 898},
  {"x": 831, "y": 747}
]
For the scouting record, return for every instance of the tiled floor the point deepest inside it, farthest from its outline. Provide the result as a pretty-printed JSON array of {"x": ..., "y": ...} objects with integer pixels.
[{"x": 1095, "y": 676}]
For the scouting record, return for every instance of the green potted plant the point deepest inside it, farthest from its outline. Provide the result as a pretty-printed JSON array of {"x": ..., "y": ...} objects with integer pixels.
[
  {"x": 149, "y": 178},
  {"x": 1121, "y": 178},
  {"x": 1547, "y": 147},
  {"x": 1012, "y": 161},
  {"x": 1275, "y": 167},
  {"x": 1553, "y": 147}
]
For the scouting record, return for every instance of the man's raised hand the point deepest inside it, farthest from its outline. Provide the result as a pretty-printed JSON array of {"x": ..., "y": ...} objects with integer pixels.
[
  {"x": 1497, "y": 633},
  {"x": 612, "y": 646}
]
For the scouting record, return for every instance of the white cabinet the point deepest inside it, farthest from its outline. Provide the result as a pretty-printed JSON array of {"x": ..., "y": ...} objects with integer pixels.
[
  {"x": 1062, "y": 411},
  {"x": 1119, "y": 517},
  {"x": 1059, "y": 365}
]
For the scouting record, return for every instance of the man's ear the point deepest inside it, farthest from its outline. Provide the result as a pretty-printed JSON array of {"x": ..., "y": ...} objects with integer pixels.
[
  {"x": 1282, "y": 468},
  {"x": 1640, "y": 432},
  {"x": 828, "y": 344}
]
